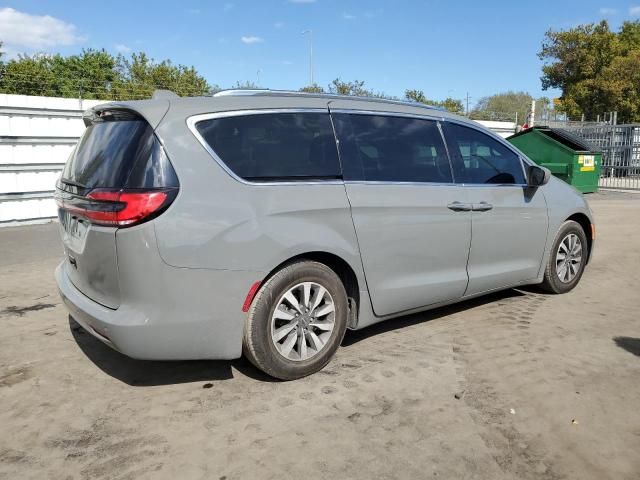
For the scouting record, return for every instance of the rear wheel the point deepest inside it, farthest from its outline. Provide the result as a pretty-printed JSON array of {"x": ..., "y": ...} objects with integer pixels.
[
  {"x": 296, "y": 321},
  {"x": 567, "y": 259}
]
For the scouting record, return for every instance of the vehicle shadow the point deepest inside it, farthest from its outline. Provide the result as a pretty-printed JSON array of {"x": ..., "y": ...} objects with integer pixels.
[
  {"x": 630, "y": 344},
  {"x": 354, "y": 336},
  {"x": 148, "y": 373}
]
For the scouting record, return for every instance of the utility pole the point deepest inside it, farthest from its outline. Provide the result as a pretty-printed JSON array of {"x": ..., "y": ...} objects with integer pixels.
[
  {"x": 533, "y": 113},
  {"x": 310, "y": 32},
  {"x": 468, "y": 103}
]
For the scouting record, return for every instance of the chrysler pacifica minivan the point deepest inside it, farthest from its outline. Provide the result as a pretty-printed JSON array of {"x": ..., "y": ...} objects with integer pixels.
[{"x": 267, "y": 223}]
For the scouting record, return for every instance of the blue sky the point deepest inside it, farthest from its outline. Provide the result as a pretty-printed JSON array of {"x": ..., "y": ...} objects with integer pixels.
[{"x": 445, "y": 48}]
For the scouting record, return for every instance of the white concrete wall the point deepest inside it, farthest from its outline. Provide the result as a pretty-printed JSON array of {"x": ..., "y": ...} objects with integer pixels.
[
  {"x": 36, "y": 136},
  {"x": 504, "y": 129}
]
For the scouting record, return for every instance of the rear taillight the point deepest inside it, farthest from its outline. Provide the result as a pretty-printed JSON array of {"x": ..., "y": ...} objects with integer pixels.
[{"x": 118, "y": 208}]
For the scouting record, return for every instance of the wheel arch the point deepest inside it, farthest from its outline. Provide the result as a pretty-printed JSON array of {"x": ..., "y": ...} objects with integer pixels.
[
  {"x": 340, "y": 267},
  {"x": 585, "y": 223}
]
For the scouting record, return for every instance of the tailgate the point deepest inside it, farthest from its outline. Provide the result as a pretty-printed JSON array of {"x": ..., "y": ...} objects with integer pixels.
[{"x": 90, "y": 258}]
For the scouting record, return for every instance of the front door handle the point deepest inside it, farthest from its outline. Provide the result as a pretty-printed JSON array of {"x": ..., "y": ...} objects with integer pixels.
[
  {"x": 460, "y": 207},
  {"x": 482, "y": 207}
]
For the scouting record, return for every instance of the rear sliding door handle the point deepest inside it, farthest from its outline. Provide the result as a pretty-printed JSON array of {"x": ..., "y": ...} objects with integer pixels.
[
  {"x": 460, "y": 207},
  {"x": 482, "y": 207}
]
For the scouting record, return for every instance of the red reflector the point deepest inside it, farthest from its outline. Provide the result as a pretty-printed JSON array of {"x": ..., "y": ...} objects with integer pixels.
[{"x": 252, "y": 293}]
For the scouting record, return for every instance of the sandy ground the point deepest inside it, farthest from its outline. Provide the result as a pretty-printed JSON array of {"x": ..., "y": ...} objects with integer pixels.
[{"x": 516, "y": 385}]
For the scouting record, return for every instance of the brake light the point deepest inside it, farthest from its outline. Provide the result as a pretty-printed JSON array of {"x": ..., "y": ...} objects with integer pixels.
[{"x": 118, "y": 208}]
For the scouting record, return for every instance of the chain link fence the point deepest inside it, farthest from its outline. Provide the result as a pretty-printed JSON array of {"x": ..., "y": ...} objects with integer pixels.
[{"x": 620, "y": 146}]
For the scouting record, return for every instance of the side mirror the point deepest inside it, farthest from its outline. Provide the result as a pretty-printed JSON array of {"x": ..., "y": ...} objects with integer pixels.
[{"x": 538, "y": 176}]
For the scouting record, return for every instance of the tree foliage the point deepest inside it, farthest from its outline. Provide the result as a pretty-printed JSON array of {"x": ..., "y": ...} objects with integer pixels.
[
  {"x": 451, "y": 104},
  {"x": 315, "y": 88},
  {"x": 98, "y": 74},
  {"x": 596, "y": 69},
  {"x": 355, "y": 88},
  {"x": 505, "y": 105}
]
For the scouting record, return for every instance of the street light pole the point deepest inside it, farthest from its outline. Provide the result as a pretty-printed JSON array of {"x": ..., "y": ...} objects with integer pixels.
[{"x": 310, "y": 32}]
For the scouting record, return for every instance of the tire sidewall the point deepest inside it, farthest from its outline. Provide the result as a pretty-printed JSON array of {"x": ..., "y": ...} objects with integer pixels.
[
  {"x": 266, "y": 302},
  {"x": 552, "y": 275}
]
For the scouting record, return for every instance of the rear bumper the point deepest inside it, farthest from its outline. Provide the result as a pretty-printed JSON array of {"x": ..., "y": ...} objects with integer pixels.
[{"x": 195, "y": 314}]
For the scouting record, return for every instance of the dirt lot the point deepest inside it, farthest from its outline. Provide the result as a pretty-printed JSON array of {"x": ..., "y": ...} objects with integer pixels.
[{"x": 516, "y": 385}]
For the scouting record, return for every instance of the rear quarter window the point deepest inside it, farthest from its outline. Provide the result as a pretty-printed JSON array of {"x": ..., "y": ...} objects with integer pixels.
[{"x": 274, "y": 146}]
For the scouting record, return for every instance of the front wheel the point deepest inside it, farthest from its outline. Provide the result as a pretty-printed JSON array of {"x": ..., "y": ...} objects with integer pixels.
[
  {"x": 296, "y": 321},
  {"x": 567, "y": 259}
]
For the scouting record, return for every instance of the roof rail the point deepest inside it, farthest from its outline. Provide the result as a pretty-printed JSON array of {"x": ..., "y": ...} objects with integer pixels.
[
  {"x": 232, "y": 92},
  {"x": 292, "y": 93}
]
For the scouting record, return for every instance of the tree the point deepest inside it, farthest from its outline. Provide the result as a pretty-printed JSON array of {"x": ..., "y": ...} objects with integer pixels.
[
  {"x": 98, "y": 74},
  {"x": 141, "y": 75},
  {"x": 315, "y": 88},
  {"x": 502, "y": 106},
  {"x": 416, "y": 96},
  {"x": 454, "y": 105},
  {"x": 588, "y": 64},
  {"x": 246, "y": 85},
  {"x": 451, "y": 104},
  {"x": 505, "y": 105},
  {"x": 355, "y": 88}
]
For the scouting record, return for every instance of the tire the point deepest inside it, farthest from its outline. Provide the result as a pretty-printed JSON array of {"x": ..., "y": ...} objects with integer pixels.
[
  {"x": 558, "y": 276},
  {"x": 268, "y": 333}
]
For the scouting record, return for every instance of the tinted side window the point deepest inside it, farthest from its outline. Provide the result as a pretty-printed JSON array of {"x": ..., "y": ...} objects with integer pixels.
[
  {"x": 386, "y": 148},
  {"x": 274, "y": 146},
  {"x": 478, "y": 158}
]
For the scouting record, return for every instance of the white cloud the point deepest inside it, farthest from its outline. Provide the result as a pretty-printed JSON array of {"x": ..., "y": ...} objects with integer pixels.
[
  {"x": 634, "y": 11},
  {"x": 302, "y": 1},
  {"x": 278, "y": 24},
  {"x": 606, "y": 11},
  {"x": 23, "y": 30},
  {"x": 251, "y": 39},
  {"x": 123, "y": 48},
  {"x": 348, "y": 16}
]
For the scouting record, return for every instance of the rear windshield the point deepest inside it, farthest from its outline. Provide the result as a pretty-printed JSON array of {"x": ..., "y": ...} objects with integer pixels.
[
  {"x": 119, "y": 154},
  {"x": 274, "y": 146}
]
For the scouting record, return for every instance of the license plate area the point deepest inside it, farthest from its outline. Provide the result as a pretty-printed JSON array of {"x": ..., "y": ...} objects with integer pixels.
[{"x": 74, "y": 226}]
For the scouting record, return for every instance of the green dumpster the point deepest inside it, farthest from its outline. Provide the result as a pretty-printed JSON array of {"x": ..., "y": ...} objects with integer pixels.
[{"x": 569, "y": 157}]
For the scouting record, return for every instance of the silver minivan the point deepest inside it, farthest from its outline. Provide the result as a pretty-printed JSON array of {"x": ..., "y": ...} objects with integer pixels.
[{"x": 267, "y": 223}]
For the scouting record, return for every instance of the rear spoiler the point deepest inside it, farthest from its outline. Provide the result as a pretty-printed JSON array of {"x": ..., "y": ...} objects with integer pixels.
[{"x": 153, "y": 111}]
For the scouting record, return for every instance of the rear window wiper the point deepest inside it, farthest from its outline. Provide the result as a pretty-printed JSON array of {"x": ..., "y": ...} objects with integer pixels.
[{"x": 72, "y": 183}]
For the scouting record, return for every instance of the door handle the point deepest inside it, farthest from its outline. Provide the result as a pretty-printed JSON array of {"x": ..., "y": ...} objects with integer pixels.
[
  {"x": 460, "y": 207},
  {"x": 482, "y": 207}
]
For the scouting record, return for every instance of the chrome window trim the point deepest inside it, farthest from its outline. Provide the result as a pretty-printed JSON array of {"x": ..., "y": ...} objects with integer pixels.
[
  {"x": 400, "y": 183},
  {"x": 383, "y": 113},
  {"x": 193, "y": 120},
  {"x": 478, "y": 127}
]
